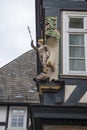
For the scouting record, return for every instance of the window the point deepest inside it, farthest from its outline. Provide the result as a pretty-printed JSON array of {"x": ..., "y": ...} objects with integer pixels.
[
  {"x": 17, "y": 118},
  {"x": 74, "y": 42}
]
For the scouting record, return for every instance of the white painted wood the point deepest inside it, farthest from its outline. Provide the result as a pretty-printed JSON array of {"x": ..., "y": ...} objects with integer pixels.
[
  {"x": 86, "y": 51},
  {"x": 3, "y": 112},
  {"x": 65, "y": 33},
  {"x": 84, "y": 98},
  {"x": 68, "y": 91},
  {"x": 16, "y": 129},
  {"x": 2, "y": 127}
]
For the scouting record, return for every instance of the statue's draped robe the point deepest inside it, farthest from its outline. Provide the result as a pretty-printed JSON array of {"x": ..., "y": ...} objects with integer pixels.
[
  {"x": 53, "y": 45},
  {"x": 52, "y": 37}
]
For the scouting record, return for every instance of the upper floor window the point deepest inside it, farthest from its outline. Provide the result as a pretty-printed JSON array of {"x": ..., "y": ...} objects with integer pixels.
[
  {"x": 74, "y": 42},
  {"x": 17, "y": 118}
]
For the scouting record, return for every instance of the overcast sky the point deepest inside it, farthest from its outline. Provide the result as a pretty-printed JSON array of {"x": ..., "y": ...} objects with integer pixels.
[{"x": 15, "y": 15}]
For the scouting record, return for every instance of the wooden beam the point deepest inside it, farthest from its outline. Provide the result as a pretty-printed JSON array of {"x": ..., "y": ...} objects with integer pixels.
[{"x": 7, "y": 118}]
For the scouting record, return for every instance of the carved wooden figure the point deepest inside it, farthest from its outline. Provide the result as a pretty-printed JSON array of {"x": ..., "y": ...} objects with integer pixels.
[{"x": 44, "y": 54}]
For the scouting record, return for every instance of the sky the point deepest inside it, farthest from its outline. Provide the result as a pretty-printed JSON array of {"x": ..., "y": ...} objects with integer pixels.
[{"x": 15, "y": 16}]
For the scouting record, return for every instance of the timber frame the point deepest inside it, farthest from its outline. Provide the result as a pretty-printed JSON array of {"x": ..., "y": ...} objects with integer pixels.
[
  {"x": 71, "y": 113},
  {"x": 57, "y": 115},
  {"x": 8, "y": 105}
]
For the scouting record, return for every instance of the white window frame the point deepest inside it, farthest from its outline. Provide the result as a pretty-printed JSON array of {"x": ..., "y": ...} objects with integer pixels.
[
  {"x": 10, "y": 117},
  {"x": 65, "y": 39}
]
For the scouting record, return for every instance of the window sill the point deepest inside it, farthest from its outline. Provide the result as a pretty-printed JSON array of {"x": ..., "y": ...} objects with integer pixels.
[
  {"x": 16, "y": 129},
  {"x": 73, "y": 76}
]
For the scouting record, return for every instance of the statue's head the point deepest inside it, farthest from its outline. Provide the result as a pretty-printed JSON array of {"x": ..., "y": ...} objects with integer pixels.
[{"x": 40, "y": 42}]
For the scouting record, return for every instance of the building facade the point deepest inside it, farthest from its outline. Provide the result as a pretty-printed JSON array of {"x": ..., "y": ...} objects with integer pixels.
[
  {"x": 71, "y": 22},
  {"x": 65, "y": 109},
  {"x": 17, "y": 91},
  {"x": 64, "y": 106}
]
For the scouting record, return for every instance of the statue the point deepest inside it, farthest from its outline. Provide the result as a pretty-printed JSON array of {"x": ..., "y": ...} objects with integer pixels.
[
  {"x": 44, "y": 54},
  {"x": 48, "y": 52}
]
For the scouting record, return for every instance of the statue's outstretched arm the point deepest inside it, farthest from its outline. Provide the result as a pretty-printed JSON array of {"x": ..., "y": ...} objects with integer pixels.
[{"x": 34, "y": 47}]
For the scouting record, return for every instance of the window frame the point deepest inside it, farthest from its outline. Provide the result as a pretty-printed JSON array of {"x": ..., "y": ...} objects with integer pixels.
[
  {"x": 10, "y": 117},
  {"x": 17, "y": 114},
  {"x": 65, "y": 38}
]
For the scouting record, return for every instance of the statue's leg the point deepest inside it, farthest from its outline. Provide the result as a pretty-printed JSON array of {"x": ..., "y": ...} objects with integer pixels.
[
  {"x": 40, "y": 58},
  {"x": 44, "y": 63},
  {"x": 41, "y": 77}
]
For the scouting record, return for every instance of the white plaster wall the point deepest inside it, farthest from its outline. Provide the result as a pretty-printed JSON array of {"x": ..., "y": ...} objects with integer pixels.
[
  {"x": 2, "y": 127},
  {"x": 69, "y": 90},
  {"x": 84, "y": 98},
  {"x": 3, "y": 112}
]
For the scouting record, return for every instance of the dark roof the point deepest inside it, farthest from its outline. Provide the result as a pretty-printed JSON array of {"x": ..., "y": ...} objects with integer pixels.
[{"x": 16, "y": 79}]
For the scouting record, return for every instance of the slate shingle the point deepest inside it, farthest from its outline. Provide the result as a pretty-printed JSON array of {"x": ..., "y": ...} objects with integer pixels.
[{"x": 16, "y": 79}]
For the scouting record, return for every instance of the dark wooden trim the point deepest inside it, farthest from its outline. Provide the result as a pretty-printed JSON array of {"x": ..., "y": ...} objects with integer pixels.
[
  {"x": 64, "y": 3},
  {"x": 37, "y": 11},
  {"x": 7, "y": 118},
  {"x": 69, "y": 9},
  {"x": 2, "y": 123},
  {"x": 69, "y": 76},
  {"x": 14, "y": 103},
  {"x": 27, "y": 124},
  {"x": 58, "y": 115},
  {"x": 32, "y": 121},
  {"x": 38, "y": 6}
]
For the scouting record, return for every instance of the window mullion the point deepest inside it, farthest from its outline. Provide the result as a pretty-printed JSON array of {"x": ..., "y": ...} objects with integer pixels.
[
  {"x": 17, "y": 119},
  {"x": 65, "y": 18},
  {"x": 68, "y": 57},
  {"x": 77, "y": 31},
  {"x": 85, "y": 40},
  {"x": 67, "y": 46},
  {"x": 85, "y": 23}
]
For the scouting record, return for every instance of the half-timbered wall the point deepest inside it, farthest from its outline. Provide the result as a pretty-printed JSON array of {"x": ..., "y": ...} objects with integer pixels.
[
  {"x": 18, "y": 115},
  {"x": 3, "y": 115},
  {"x": 75, "y": 84}
]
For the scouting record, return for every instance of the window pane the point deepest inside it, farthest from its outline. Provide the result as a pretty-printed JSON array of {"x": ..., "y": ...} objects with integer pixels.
[
  {"x": 76, "y": 23},
  {"x": 14, "y": 121},
  {"x": 77, "y": 52},
  {"x": 15, "y": 111},
  {"x": 21, "y": 111},
  {"x": 20, "y": 120},
  {"x": 77, "y": 65},
  {"x": 2, "y": 127},
  {"x": 75, "y": 39}
]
